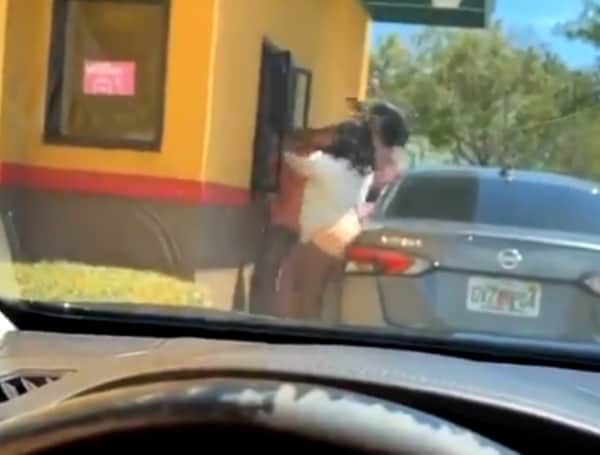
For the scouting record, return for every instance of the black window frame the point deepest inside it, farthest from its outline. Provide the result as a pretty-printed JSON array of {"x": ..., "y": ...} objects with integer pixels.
[
  {"x": 271, "y": 57},
  {"x": 55, "y": 78},
  {"x": 284, "y": 123}
]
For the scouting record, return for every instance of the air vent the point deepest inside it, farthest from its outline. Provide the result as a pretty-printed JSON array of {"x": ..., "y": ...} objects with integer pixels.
[{"x": 15, "y": 385}]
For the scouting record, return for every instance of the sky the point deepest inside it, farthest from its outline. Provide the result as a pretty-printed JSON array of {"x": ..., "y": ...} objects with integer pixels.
[{"x": 526, "y": 22}]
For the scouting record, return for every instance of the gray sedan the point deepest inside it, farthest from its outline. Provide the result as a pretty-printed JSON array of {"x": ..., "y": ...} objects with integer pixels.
[{"x": 480, "y": 250}]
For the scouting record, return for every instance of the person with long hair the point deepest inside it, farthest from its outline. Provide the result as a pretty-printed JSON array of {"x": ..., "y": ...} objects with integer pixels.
[
  {"x": 281, "y": 231},
  {"x": 375, "y": 141},
  {"x": 390, "y": 135},
  {"x": 338, "y": 179}
]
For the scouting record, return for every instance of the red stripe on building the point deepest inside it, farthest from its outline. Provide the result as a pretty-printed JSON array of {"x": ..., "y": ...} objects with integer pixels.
[{"x": 127, "y": 185}]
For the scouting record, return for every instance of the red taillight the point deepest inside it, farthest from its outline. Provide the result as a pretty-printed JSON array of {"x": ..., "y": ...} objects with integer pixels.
[{"x": 366, "y": 259}]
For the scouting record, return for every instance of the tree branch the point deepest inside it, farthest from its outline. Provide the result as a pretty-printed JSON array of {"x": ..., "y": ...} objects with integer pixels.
[
  {"x": 461, "y": 152},
  {"x": 482, "y": 156}
]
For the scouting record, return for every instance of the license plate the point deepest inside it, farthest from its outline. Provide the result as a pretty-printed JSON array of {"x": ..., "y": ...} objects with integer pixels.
[{"x": 504, "y": 297}]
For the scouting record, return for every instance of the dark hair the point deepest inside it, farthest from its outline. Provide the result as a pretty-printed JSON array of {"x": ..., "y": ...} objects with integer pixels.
[
  {"x": 353, "y": 141},
  {"x": 393, "y": 127}
]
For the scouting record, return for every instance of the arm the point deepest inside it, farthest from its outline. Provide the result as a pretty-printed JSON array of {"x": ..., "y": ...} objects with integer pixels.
[
  {"x": 402, "y": 163},
  {"x": 365, "y": 207},
  {"x": 307, "y": 140},
  {"x": 364, "y": 192}
]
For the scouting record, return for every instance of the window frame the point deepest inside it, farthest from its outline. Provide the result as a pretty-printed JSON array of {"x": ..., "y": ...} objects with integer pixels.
[
  {"x": 286, "y": 121},
  {"x": 307, "y": 95},
  {"x": 55, "y": 89},
  {"x": 269, "y": 51}
]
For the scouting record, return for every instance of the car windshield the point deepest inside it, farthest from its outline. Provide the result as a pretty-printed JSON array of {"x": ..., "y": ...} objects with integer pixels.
[{"x": 421, "y": 169}]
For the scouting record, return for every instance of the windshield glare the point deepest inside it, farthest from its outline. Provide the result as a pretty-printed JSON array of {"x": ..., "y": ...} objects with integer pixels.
[{"x": 300, "y": 161}]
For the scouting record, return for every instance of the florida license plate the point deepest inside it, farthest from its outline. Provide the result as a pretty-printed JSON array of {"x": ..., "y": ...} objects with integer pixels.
[{"x": 504, "y": 297}]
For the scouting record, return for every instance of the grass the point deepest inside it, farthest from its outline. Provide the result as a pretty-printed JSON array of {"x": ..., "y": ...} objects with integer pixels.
[{"x": 65, "y": 281}]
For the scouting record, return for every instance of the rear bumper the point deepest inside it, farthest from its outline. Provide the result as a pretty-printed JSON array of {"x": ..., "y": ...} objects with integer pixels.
[{"x": 437, "y": 302}]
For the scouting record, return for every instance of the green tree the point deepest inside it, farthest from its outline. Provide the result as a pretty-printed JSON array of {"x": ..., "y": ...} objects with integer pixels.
[
  {"x": 576, "y": 148},
  {"x": 584, "y": 122},
  {"x": 389, "y": 71},
  {"x": 486, "y": 101},
  {"x": 480, "y": 97},
  {"x": 586, "y": 27}
]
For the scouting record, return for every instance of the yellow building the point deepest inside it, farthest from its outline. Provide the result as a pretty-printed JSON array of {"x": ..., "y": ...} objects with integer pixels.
[{"x": 129, "y": 129}]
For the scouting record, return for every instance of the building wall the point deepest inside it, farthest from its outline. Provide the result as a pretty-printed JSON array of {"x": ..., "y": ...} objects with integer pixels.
[
  {"x": 27, "y": 36},
  {"x": 3, "y": 23},
  {"x": 330, "y": 38},
  {"x": 209, "y": 114},
  {"x": 186, "y": 208}
]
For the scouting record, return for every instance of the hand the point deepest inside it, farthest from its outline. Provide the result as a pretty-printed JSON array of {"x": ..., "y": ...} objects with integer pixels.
[
  {"x": 365, "y": 210},
  {"x": 334, "y": 239}
]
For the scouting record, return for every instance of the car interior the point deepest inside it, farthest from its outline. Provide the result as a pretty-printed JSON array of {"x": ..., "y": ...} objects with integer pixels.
[{"x": 106, "y": 392}]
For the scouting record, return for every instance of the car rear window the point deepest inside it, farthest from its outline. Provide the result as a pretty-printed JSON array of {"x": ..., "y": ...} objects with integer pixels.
[{"x": 525, "y": 204}]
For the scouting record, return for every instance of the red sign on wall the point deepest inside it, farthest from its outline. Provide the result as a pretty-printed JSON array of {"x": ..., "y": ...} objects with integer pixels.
[{"x": 108, "y": 78}]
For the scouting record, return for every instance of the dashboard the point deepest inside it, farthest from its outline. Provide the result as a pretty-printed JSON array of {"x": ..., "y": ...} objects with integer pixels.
[{"x": 530, "y": 409}]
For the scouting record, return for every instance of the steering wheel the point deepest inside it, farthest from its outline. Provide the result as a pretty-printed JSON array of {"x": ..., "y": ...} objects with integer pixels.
[{"x": 330, "y": 416}]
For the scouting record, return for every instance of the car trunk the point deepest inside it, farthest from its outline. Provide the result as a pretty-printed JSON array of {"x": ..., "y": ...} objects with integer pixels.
[
  {"x": 470, "y": 286},
  {"x": 467, "y": 247}
]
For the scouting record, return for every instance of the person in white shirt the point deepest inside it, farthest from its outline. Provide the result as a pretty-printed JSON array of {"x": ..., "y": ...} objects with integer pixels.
[
  {"x": 338, "y": 180},
  {"x": 333, "y": 187},
  {"x": 390, "y": 135}
]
